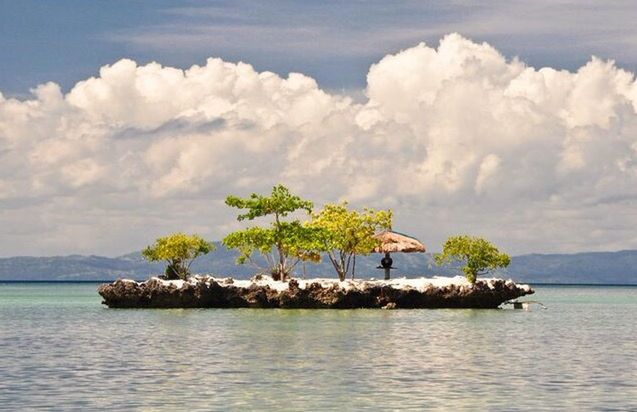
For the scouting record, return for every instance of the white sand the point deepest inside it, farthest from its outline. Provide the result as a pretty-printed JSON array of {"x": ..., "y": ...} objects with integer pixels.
[{"x": 420, "y": 284}]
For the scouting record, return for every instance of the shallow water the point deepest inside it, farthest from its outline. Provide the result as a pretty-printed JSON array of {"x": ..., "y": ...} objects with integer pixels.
[{"x": 61, "y": 349}]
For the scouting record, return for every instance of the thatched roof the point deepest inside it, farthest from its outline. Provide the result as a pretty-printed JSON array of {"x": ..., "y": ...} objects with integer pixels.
[{"x": 397, "y": 242}]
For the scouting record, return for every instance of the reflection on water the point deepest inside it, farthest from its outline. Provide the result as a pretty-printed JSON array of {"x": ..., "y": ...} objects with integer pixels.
[{"x": 60, "y": 349}]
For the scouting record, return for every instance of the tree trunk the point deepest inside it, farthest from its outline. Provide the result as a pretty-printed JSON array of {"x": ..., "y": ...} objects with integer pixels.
[
  {"x": 341, "y": 275},
  {"x": 337, "y": 268},
  {"x": 342, "y": 271},
  {"x": 279, "y": 248},
  {"x": 354, "y": 267},
  {"x": 173, "y": 271}
]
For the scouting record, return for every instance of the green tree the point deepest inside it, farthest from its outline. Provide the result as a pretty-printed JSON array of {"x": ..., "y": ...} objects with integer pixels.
[
  {"x": 343, "y": 233},
  {"x": 284, "y": 243},
  {"x": 478, "y": 255},
  {"x": 179, "y": 251}
]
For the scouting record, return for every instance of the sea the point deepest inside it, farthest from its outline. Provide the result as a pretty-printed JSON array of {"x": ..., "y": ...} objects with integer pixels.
[{"x": 61, "y": 349}]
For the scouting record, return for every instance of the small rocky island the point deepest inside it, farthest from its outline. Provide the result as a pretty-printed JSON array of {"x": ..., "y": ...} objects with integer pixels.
[
  {"x": 337, "y": 233},
  {"x": 202, "y": 291}
]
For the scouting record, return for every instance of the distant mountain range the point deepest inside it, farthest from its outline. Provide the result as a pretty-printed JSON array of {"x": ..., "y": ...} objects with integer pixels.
[{"x": 589, "y": 268}]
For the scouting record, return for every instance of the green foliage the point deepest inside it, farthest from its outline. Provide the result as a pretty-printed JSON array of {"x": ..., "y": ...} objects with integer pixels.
[
  {"x": 294, "y": 240},
  {"x": 179, "y": 250},
  {"x": 250, "y": 240},
  {"x": 280, "y": 203},
  {"x": 343, "y": 233},
  {"x": 283, "y": 244},
  {"x": 479, "y": 255}
]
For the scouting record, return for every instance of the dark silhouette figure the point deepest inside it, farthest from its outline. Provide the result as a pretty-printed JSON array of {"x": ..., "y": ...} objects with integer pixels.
[{"x": 386, "y": 263}]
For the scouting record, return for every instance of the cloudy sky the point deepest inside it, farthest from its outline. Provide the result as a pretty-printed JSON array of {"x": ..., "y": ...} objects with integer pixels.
[{"x": 122, "y": 121}]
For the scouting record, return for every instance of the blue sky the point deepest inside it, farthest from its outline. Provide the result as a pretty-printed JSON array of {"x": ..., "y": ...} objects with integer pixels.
[
  {"x": 486, "y": 118},
  {"x": 332, "y": 41}
]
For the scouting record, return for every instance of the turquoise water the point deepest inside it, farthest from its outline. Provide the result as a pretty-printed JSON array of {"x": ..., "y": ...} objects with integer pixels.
[{"x": 60, "y": 349}]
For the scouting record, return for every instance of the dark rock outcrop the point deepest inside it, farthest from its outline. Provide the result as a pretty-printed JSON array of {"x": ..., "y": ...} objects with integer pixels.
[{"x": 210, "y": 292}]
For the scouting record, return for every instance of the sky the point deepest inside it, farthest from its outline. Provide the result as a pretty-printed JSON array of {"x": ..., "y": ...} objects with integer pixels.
[{"x": 121, "y": 121}]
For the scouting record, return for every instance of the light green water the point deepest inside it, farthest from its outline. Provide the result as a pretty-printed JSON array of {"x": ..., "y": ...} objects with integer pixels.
[{"x": 60, "y": 349}]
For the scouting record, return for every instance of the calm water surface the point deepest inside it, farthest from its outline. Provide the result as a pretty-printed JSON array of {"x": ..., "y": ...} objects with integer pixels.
[{"x": 61, "y": 349}]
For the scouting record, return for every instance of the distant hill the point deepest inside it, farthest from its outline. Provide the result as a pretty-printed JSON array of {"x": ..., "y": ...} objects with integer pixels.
[
  {"x": 591, "y": 267},
  {"x": 594, "y": 268}
]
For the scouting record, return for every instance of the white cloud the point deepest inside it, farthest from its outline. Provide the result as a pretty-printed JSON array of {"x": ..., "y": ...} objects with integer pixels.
[
  {"x": 455, "y": 138},
  {"x": 488, "y": 168}
]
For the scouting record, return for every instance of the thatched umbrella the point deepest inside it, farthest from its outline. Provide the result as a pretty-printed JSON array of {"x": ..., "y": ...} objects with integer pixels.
[{"x": 392, "y": 242}]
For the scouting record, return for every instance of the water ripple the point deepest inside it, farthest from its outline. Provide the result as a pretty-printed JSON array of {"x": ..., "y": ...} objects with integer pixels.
[{"x": 60, "y": 350}]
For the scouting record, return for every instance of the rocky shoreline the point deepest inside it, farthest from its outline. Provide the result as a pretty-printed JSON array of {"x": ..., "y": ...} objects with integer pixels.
[{"x": 263, "y": 292}]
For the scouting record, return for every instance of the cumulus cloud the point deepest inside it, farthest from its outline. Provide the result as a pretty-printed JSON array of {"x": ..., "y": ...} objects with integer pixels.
[{"x": 455, "y": 138}]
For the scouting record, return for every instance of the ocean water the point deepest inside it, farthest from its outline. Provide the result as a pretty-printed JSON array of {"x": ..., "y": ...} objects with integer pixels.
[{"x": 60, "y": 349}]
